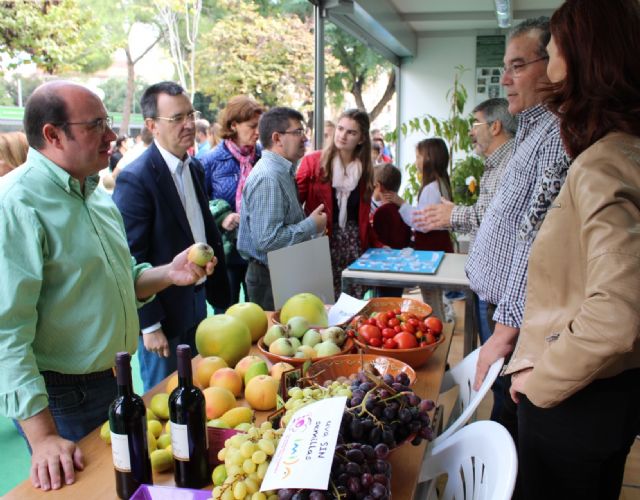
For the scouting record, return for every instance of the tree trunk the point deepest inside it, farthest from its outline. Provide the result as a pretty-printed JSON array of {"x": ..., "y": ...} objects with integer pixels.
[
  {"x": 128, "y": 100},
  {"x": 386, "y": 97}
]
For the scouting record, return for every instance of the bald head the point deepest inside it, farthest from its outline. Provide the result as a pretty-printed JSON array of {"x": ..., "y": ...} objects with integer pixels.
[
  {"x": 49, "y": 103},
  {"x": 69, "y": 125}
]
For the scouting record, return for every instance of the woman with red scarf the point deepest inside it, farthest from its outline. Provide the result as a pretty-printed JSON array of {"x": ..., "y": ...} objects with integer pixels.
[{"x": 226, "y": 170}]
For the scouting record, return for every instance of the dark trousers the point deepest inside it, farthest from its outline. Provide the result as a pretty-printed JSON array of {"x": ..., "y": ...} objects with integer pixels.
[
  {"x": 578, "y": 448},
  {"x": 154, "y": 368},
  {"x": 259, "y": 285},
  {"x": 484, "y": 313},
  {"x": 236, "y": 275},
  {"x": 79, "y": 408}
]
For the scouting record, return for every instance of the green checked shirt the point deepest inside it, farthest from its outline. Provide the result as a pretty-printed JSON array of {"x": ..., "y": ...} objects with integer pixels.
[
  {"x": 271, "y": 217},
  {"x": 67, "y": 299}
]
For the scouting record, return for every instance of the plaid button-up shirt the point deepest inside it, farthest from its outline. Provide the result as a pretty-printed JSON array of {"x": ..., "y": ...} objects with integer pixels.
[
  {"x": 497, "y": 264},
  {"x": 466, "y": 218},
  {"x": 271, "y": 217}
]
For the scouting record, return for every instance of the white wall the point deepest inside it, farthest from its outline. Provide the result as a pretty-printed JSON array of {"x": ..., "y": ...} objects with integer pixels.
[{"x": 426, "y": 79}]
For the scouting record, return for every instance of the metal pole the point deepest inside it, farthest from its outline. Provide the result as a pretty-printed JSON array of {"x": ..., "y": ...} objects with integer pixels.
[{"x": 318, "y": 97}]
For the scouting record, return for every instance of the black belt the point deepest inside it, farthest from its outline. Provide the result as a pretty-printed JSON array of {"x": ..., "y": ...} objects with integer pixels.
[
  {"x": 55, "y": 378},
  {"x": 260, "y": 263},
  {"x": 199, "y": 287}
]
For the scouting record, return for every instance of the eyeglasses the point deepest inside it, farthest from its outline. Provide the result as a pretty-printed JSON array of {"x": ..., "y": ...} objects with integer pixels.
[
  {"x": 477, "y": 124},
  {"x": 99, "y": 124},
  {"x": 299, "y": 132},
  {"x": 180, "y": 119},
  {"x": 515, "y": 69}
]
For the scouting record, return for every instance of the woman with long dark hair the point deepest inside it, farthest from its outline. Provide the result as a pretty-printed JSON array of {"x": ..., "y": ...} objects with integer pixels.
[
  {"x": 341, "y": 178},
  {"x": 576, "y": 368}
]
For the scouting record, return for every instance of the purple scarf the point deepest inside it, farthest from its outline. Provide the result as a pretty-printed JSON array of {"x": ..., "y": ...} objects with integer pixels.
[{"x": 246, "y": 156}]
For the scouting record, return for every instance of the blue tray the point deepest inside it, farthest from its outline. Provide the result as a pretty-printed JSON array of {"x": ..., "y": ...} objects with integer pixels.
[{"x": 406, "y": 260}]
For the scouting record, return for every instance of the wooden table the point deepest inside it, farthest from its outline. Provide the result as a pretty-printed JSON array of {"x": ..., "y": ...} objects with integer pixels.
[
  {"x": 449, "y": 276},
  {"x": 97, "y": 480}
]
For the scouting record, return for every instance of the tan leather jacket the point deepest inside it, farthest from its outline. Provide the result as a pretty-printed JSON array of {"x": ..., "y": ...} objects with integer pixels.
[{"x": 582, "y": 315}]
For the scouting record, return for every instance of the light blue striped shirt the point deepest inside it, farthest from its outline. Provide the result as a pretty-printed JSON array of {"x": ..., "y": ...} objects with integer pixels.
[{"x": 271, "y": 215}]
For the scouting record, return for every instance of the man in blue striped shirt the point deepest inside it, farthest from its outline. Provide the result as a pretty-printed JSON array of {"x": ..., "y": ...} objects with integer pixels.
[{"x": 271, "y": 216}]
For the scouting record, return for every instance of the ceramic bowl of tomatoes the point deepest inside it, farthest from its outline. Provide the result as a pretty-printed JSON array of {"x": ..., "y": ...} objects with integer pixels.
[{"x": 398, "y": 328}]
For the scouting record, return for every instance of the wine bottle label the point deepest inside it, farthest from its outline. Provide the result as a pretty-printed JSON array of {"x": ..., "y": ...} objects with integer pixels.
[
  {"x": 180, "y": 441},
  {"x": 120, "y": 451}
]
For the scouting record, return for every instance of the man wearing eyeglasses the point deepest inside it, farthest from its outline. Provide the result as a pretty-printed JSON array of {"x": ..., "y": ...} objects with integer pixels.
[
  {"x": 272, "y": 217},
  {"x": 162, "y": 199},
  {"x": 70, "y": 287},
  {"x": 497, "y": 264}
]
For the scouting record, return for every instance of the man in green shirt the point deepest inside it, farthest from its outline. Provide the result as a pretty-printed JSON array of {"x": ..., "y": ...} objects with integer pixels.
[{"x": 70, "y": 286}]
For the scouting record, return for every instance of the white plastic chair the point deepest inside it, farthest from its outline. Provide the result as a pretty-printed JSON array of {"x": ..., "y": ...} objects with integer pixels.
[
  {"x": 463, "y": 375},
  {"x": 480, "y": 461}
]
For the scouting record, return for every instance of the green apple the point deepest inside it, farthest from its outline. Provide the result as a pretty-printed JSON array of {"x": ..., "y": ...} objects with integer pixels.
[
  {"x": 259, "y": 368},
  {"x": 326, "y": 348},
  {"x": 335, "y": 334},
  {"x": 282, "y": 347},
  {"x": 297, "y": 326},
  {"x": 311, "y": 338},
  {"x": 274, "y": 333},
  {"x": 200, "y": 254},
  {"x": 295, "y": 342},
  {"x": 305, "y": 351},
  {"x": 307, "y": 305}
]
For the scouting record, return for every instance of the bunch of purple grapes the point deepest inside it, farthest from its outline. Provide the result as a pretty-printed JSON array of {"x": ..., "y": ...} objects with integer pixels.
[
  {"x": 359, "y": 472},
  {"x": 377, "y": 415}
]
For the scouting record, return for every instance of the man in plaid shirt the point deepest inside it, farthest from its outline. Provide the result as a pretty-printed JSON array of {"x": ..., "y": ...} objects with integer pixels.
[
  {"x": 497, "y": 264},
  {"x": 271, "y": 215},
  {"x": 492, "y": 134}
]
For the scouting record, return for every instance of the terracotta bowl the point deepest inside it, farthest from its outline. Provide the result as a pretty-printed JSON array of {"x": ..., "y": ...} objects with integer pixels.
[
  {"x": 344, "y": 366},
  {"x": 415, "y": 357},
  {"x": 347, "y": 347}
]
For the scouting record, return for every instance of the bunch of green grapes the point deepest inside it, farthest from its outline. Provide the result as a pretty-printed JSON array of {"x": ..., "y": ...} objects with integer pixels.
[
  {"x": 302, "y": 397},
  {"x": 246, "y": 458}
]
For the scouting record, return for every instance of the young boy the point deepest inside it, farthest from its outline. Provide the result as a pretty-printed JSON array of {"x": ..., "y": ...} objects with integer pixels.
[{"x": 388, "y": 227}]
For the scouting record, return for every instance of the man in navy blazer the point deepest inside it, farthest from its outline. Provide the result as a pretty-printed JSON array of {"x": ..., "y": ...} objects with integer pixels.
[{"x": 161, "y": 196}]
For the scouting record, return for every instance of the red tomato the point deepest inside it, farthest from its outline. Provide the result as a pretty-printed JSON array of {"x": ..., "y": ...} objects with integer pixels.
[
  {"x": 368, "y": 332},
  {"x": 408, "y": 327},
  {"x": 371, "y": 321},
  {"x": 397, "y": 311},
  {"x": 383, "y": 317},
  {"x": 413, "y": 322},
  {"x": 390, "y": 344},
  {"x": 397, "y": 328},
  {"x": 405, "y": 340},
  {"x": 393, "y": 322},
  {"x": 430, "y": 338},
  {"x": 376, "y": 342},
  {"x": 388, "y": 333},
  {"x": 433, "y": 324}
]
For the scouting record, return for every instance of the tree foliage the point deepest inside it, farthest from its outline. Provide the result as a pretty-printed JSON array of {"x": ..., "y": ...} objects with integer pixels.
[
  {"x": 271, "y": 58},
  {"x": 360, "y": 67},
  {"x": 57, "y": 35}
]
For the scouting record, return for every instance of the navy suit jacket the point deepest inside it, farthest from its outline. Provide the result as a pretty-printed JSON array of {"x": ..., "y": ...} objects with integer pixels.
[{"x": 158, "y": 229}]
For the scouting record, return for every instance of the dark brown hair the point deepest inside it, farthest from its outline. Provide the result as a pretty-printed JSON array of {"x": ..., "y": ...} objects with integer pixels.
[
  {"x": 600, "y": 44},
  {"x": 362, "y": 152},
  {"x": 389, "y": 177},
  {"x": 240, "y": 108},
  {"x": 435, "y": 159}
]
